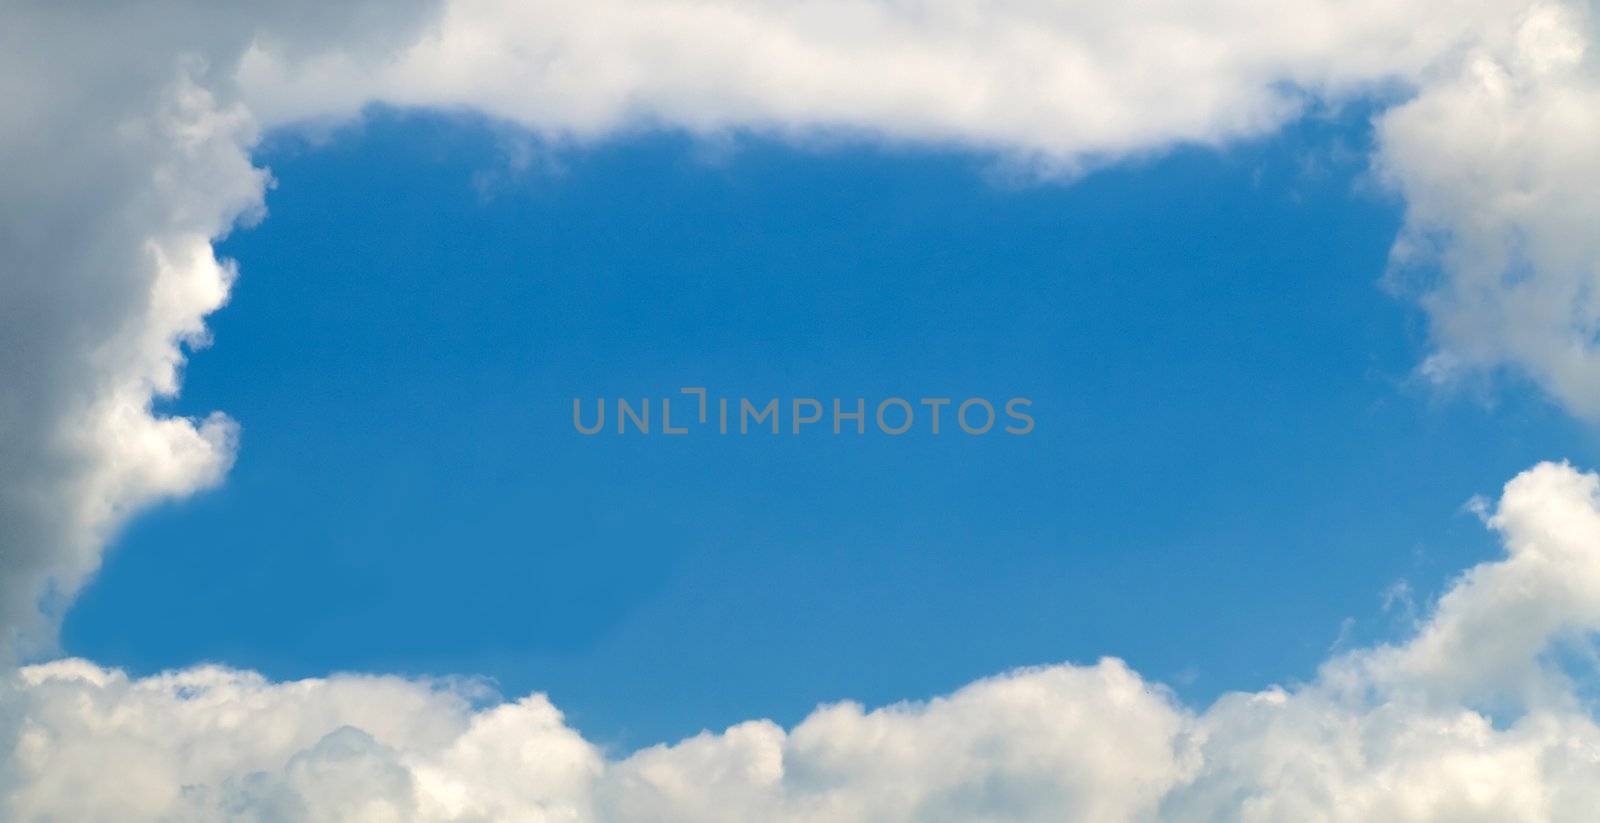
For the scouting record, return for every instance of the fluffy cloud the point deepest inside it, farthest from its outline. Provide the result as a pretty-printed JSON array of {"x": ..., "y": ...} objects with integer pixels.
[
  {"x": 117, "y": 177},
  {"x": 1491, "y": 147},
  {"x": 127, "y": 135},
  {"x": 211, "y": 743},
  {"x": 126, "y": 154},
  {"x": 1498, "y": 165},
  {"x": 1395, "y": 733},
  {"x": 1059, "y": 84}
]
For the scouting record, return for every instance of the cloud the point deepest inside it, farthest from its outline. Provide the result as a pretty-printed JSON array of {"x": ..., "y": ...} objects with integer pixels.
[
  {"x": 130, "y": 133},
  {"x": 127, "y": 135},
  {"x": 1060, "y": 85},
  {"x": 1395, "y": 732},
  {"x": 1502, "y": 184},
  {"x": 126, "y": 154},
  {"x": 117, "y": 177}
]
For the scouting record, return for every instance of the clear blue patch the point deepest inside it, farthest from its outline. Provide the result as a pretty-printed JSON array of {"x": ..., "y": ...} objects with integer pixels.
[{"x": 1230, "y": 455}]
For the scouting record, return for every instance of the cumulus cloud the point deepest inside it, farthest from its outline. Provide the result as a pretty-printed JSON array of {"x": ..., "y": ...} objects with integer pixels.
[
  {"x": 1498, "y": 165},
  {"x": 126, "y": 136},
  {"x": 1060, "y": 84},
  {"x": 1490, "y": 146},
  {"x": 105, "y": 246},
  {"x": 1396, "y": 733},
  {"x": 125, "y": 151}
]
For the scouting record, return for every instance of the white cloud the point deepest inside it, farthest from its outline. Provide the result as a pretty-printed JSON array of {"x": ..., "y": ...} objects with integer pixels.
[
  {"x": 1392, "y": 733},
  {"x": 116, "y": 179},
  {"x": 1501, "y": 178},
  {"x": 1058, "y": 84},
  {"x": 126, "y": 154},
  {"x": 126, "y": 135}
]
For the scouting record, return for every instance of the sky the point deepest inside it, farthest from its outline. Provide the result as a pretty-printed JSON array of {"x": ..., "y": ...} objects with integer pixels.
[
  {"x": 295, "y": 303},
  {"x": 411, "y": 495}
]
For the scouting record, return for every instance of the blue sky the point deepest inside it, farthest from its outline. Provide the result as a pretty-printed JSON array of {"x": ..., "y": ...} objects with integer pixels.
[
  {"x": 296, "y": 298},
  {"x": 1233, "y": 453}
]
